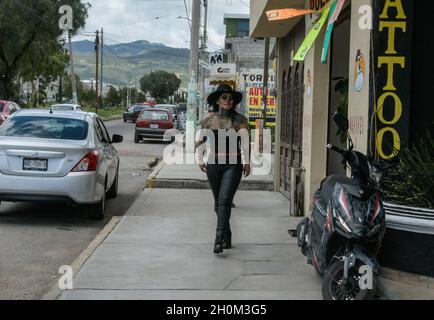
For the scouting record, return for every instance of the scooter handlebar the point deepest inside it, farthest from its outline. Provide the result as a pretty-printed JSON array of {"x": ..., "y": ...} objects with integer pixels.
[{"x": 334, "y": 148}]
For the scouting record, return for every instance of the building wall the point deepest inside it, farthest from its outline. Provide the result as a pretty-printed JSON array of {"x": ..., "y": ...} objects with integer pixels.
[
  {"x": 246, "y": 52},
  {"x": 358, "y": 102},
  {"x": 233, "y": 27},
  {"x": 315, "y": 121},
  {"x": 280, "y": 67},
  {"x": 256, "y": 9}
]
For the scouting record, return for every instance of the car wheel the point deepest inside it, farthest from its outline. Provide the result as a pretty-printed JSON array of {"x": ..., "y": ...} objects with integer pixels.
[
  {"x": 134, "y": 120},
  {"x": 125, "y": 120},
  {"x": 96, "y": 211},
  {"x": 136, "y": 138},
  {"x": 113, "y": 191}
]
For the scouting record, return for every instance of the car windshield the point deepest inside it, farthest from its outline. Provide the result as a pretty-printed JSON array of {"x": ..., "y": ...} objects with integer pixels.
[
  {"x": 155, "y": 115},
  {"x": 139, "y": 107},
  {"x": 170, "y": 108},
  {"x": 62, "y": 107},
  {"x": 45, "y": 127},
  {"x": 182, "y": 107}
]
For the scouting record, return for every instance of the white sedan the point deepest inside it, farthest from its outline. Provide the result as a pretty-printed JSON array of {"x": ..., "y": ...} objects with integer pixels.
[{"x": 58, "y": 156}]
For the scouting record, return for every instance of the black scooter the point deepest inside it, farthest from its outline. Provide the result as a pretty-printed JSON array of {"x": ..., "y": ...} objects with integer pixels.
[{"x": 346, "y": 227}]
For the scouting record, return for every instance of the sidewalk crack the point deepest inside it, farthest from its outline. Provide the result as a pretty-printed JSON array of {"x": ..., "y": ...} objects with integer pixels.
[{"x": 225, "y": 288}]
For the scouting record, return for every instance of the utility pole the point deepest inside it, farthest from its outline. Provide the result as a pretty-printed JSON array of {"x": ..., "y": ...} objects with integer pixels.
[
  {"x": 102, "y": 69},
  {"x": 192, "y": 86},
  {"x": 203, "y": 55},
  {"x": 97, "y": 71},
  {"x": 37, "y": 92},
  {"x": 71, "y": 61}
]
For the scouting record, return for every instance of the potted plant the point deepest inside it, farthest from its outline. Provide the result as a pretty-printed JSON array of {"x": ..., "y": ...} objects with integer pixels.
[{"x": 409, "y": 206}]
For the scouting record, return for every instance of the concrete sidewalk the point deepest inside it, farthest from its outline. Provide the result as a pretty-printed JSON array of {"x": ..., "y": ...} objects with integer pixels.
[{"x": 162, "y": 249}]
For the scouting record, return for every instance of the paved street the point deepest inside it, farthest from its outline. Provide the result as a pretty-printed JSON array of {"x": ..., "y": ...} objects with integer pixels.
[{"x": 36, "y": 239}]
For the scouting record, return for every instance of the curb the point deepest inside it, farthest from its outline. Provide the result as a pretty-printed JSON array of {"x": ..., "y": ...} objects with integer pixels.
[
  {"x": 55, "y": 291},
  {"x": 151, "y": 178},
  {"x": 384, "y": 291},
  {"x": 112, "y": 118},
  {"x": 161, "y": 183},
  {"x": 408, "y": 278},
  {"x": 138, "y": 203}
]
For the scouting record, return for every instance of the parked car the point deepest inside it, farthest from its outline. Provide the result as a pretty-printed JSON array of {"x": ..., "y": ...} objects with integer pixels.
[
  {"x": 63, "y": 157},
  {"x": 134, "y": 111},
  {"x": 152, "y": 124},
  {"x": 66, "y": 107},
  {"x": 172, "y": 108},
  {"x": 7, "y": 108}
]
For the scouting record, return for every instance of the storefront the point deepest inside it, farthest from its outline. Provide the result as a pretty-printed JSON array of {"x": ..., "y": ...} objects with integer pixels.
[{"x": 377, "y": 71}]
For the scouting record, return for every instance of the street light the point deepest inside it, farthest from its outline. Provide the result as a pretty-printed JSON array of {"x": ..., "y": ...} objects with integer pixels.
[{"x": 181, "y": 17}]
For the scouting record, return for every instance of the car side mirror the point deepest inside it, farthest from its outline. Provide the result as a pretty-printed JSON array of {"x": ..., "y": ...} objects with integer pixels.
[
  {"x": 341, "y": 121},
  {"x": 117, "y": 138}
]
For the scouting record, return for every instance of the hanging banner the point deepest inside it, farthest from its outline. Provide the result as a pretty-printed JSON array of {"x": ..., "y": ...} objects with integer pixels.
[
  {"x": 289, "y": 13},
  {"x": 284, "y": 14},
  {"x": 392, "y": 69},
  {"x": 337, "y": 11},
  {"x": 313, "y": 34},
  {"x": 329, "y": 31}
]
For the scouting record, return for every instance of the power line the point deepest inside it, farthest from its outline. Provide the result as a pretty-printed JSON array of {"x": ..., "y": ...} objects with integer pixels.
[{"x": 186, "y": 12}]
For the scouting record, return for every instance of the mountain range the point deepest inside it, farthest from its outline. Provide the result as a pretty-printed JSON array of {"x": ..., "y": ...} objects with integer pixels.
[{"x": 126, "y": 63}]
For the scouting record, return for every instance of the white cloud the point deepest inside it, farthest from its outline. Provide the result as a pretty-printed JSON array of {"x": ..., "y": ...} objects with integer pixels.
[{"x": 156, "y": 21}]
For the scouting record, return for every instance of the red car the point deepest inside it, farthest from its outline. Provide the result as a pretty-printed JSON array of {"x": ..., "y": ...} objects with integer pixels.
[
  {"x": 6, "y": 109},
  {"x": 152, "y": 124}
]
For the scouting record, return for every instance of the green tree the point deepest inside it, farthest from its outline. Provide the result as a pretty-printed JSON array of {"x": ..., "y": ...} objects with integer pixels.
[
  {"x": 160, "y": 84},
  {"x": 31, "y": 42},
  {"x": 88, "y": 98},
  {"x": 141, "y": 97},
  {"x": 113, "y": 98},
  {"x": 67, "y": 86}
]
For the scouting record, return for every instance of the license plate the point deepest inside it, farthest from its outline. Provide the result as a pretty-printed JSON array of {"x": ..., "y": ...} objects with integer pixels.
[
  {"x": 35, "y": 164},
  {"x": 154, "y": 126}
]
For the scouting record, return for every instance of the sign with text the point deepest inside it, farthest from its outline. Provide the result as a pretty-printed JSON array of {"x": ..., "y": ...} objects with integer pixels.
[
  {"x": 393, "y": 28},
  {"x": 222, "y": 71},
  {"x": 254, "y": 106}
]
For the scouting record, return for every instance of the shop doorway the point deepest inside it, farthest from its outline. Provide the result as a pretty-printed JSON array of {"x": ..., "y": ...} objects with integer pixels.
[
  {"x": 339, "y": 73},
  {"x": 292, "y": 120}
]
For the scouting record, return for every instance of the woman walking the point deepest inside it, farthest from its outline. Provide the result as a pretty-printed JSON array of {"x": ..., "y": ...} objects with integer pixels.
[{"x": 226, "y": 132}]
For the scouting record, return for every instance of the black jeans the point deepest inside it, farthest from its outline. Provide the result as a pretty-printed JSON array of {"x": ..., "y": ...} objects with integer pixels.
[{"x": 224, "y": 180}]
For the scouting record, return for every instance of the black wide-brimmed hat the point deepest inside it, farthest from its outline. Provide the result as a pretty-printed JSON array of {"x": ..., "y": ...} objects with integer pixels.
[{"x": 224, "y": 88}]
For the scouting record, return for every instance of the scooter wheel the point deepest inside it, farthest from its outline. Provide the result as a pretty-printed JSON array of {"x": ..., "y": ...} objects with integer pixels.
[{"x": 333, "y": 287}]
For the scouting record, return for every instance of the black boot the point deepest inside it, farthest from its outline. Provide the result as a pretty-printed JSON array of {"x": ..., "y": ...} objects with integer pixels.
[
  {"x": 218, "y": 245},
  {"x": 227, "y": 240}
]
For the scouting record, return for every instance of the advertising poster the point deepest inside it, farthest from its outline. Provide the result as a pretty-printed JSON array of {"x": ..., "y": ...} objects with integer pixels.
[{"x": 254, "y": 106}]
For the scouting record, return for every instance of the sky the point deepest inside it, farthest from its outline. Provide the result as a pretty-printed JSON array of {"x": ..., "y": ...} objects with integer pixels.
[{"x": 156, "y": 21}]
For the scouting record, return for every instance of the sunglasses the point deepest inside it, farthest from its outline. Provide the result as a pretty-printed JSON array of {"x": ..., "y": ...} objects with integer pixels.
[{"x": 227, "y": 97}]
